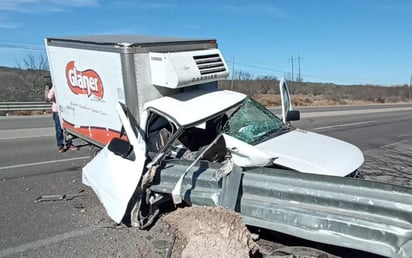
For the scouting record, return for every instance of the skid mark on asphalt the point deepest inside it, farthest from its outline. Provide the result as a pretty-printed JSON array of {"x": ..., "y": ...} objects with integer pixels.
[
  {"x": 389, "y": 164},
  {"x": 47, "y": 241}
]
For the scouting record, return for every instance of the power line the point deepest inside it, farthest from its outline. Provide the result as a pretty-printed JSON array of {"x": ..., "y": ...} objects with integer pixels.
[
  {"x": 286, "y": 72},
  {"x": 22, "y": 47},
  {"x": 261, "y": 68},
  {"x": 354, "y": 79}
]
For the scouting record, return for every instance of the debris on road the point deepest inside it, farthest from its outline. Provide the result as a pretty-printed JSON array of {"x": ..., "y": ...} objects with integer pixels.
[
  {"x": 47, "y": 198},
  {"x": 59, "y": 197}
]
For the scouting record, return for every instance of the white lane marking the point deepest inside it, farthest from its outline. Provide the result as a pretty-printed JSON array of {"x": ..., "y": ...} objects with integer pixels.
[
  {"x": 350, "y": 112},
  {"x": 26, "y": 133},
  {"x": 404, "y": 135},
  {"x": 46, "y": 242},
  {"x": 344, "y": 125},
  {"x": 42, "y": 163}
]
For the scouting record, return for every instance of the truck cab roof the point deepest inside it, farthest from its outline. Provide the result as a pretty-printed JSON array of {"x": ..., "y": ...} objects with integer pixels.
[{"x": 190, "y": 107}]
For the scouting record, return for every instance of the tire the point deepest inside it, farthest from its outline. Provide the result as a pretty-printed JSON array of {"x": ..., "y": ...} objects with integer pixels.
[{"x": 94, "y": 150}]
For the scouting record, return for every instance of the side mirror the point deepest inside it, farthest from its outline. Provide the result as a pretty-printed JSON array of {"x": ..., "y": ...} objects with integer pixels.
[
  {"x": 293, "y": 115},
  {"x": 121, "y": 148}
]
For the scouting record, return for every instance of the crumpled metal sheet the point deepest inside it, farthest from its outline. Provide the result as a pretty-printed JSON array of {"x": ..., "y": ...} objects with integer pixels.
[{"x": 353, "y": 213}]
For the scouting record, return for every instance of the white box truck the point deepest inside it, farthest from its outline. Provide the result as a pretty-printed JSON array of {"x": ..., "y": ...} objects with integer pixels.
[{"x": 175, "y": 80}]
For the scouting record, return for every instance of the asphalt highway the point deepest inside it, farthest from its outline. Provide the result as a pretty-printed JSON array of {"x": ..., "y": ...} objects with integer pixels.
[{"x": 31, "y": 168}]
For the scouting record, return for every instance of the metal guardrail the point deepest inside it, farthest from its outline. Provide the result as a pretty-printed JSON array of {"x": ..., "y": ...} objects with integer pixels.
[
  {"x": 347, "y": 212},
  {"x": 24, "y": 106}
]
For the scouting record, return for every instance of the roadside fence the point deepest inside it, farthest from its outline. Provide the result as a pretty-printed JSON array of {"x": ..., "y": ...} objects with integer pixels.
[{"x": 6, "y": 107}]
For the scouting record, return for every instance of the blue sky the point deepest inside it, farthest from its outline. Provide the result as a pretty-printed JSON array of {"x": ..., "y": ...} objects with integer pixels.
[{"x": 339, "y": 41}]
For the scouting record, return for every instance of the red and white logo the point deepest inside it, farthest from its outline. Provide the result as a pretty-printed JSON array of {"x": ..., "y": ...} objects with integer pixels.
[{"x": 86, "y": 82}]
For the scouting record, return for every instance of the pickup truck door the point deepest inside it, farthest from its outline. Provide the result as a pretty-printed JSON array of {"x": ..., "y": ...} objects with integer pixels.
[
  {"x": 285, "y": 98},
  {"x": 113, "y": 177}
]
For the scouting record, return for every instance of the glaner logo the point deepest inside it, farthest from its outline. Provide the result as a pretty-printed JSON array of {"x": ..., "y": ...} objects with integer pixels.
[{"x": 86, "y": 82}]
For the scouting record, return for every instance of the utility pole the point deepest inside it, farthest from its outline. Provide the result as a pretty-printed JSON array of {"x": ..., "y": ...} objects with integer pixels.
[
  {"x": 299, "y": 78},
  {"x": 409, "y": 90},
  {"x": 233, "y": 71},
  {"x": 291, "y": 59}
]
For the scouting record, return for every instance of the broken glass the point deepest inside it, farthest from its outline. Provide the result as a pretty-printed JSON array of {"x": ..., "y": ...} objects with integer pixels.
[{"x": 252, "y": 122}]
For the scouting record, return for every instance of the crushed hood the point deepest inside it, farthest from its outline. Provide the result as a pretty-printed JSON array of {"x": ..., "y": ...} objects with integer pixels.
[{"x": 313, "y": 153}]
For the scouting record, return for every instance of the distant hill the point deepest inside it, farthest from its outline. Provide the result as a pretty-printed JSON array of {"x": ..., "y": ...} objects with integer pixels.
[
  {"x": 22, "y": 85},
  {"x": 310, "y": 93},
  {"x": 28, "y": 85}
]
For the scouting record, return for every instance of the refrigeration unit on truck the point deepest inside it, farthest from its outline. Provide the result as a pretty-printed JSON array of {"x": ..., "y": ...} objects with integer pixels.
[{"x": 172, "y": 83}]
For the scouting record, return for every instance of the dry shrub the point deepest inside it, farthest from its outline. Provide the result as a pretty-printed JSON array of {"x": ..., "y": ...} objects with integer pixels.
[
  {"x": 268, "y": 100},
  {"x": 273, "y": 100}
]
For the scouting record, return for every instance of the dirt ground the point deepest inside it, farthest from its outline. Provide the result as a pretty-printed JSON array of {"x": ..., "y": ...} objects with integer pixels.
[
  {"x": 210, "y": 232},
  {"x": 220, "y": 232}
]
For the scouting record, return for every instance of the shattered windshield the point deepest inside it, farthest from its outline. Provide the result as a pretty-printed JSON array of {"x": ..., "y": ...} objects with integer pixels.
[{"x": 252, "y": 122}]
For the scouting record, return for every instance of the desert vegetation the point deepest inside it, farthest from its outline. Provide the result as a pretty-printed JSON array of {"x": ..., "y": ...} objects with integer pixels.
[
  {"x": 22, "y": 85},
  {"x": 27, "y": 83},
  {"x": 266, "y": 91}
]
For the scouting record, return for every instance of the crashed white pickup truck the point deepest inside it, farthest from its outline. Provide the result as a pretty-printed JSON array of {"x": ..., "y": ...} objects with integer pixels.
[{"x": 253, "y": 134}]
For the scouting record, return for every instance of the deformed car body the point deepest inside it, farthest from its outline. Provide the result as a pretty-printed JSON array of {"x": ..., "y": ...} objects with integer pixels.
[{"x": 183, "y": 125}]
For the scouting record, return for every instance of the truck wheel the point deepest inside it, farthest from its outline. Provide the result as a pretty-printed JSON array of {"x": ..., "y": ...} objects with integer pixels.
[
  {"x": 94, "y": 150},
  {"x": 210, "y": 232}
]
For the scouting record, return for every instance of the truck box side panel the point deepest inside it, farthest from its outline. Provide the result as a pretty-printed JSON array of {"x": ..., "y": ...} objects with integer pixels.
[
  {"x": 88, "y": 85},
  {"x": 92, "y": 73}
]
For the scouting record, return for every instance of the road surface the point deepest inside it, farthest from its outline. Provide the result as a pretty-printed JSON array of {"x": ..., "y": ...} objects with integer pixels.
[{"x": 75, "y": 223}]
